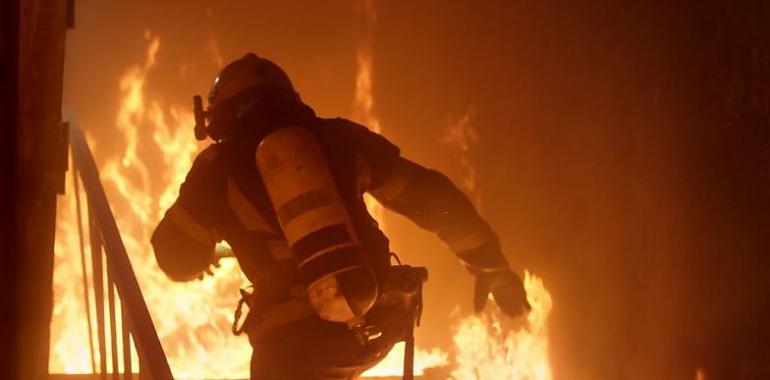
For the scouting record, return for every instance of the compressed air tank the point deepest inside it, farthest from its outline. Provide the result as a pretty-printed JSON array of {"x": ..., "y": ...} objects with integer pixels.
[{"x": 341, "y": 286}]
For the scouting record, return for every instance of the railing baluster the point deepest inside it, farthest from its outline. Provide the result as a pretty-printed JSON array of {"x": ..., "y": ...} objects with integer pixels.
[
  {"x": 86, "y": 298},
  {"x": 143, "y": 375},
  {"x": 127, "y": 375},
  {"x": 113, "y": 321},
  {"x": 96, "y": 266}
]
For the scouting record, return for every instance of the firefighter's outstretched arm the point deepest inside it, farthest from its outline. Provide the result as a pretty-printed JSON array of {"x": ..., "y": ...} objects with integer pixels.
[
  {"x": 433, "y": 202},
  {"x": 185, "y": 239},
  {"x": 183, "y": 248}
]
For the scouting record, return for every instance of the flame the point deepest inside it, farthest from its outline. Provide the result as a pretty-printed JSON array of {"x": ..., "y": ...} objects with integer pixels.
[
  {"x": 485, "y": 350},
  {"x": 363, "y": 101},
  {"x": 461, "y": 137},
  {"x": 363, "y": 105},
  {"x": 69, "y": 349},
  {"x": 393, "y": 364},
  {"x": 193, "y": 319}
]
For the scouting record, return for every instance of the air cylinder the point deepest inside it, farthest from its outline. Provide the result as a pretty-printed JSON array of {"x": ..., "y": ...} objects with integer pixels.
[{"x": 341, "y": 285}]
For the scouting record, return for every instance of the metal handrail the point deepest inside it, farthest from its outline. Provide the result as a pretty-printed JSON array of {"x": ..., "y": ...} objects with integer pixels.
[{"x": 120, "y": 272}]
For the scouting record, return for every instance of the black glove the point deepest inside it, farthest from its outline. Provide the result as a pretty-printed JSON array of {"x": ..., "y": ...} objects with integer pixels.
[{"x": 506, "y": 288}]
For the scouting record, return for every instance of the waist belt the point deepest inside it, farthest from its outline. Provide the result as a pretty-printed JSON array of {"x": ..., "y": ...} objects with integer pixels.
[
  {"x": 263, "y": 316},
  {"x": 401, "y": 290}
]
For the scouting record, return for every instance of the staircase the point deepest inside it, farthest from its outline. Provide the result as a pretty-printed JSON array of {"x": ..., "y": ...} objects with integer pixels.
[{"x": 108, "y": 254}]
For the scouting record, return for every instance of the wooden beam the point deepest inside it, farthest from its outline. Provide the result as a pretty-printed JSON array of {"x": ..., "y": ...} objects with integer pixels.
[{"x": 39, "y": 145}]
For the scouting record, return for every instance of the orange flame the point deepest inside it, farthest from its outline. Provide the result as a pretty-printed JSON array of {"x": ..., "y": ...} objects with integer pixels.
[
  {"x": 485, "y": 350},
  {"x": 461, "y": 136},
  {"x": 393, "y": 364},
  {"x": 193, "y": 319},
  {"x": 363, "y": 102},
  {"x": 69, "y": 351}
]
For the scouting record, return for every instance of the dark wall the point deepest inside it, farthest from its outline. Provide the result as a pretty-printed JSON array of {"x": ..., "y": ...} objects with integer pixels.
[
  {"x": 623, "y": 156},
  {"x": 40, "y": 162},
  {"x": 730, "y": 181},
  {"x": 9, "y": 108}
]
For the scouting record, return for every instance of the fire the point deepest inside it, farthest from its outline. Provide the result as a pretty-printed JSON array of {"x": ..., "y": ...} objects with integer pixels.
[
  {"x": 363, "y": 101},
  {"x": 486, "y": 350},
  {"x": 393, "y": 364},
  {"x": 193, "y": 319},
  {"x": 69, "y": 342},
  {"x": 461, "y": 136},
  {"x": 484, "y": 347}
]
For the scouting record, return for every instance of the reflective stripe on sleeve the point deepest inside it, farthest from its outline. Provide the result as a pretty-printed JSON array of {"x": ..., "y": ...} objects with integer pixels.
[
  {"x": 474, "y": 239},
  {"x": 400, "y": 177},
  {"x": 189, "y": 226},
  {"x": 244, "y": 210}
]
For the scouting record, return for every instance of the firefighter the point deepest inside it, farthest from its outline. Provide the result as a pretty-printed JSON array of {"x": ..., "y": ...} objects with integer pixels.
[{"x": 284, "y": 188}]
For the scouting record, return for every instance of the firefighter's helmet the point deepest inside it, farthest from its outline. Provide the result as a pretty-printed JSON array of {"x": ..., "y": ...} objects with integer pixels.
[{"x": 235, "y": 88}]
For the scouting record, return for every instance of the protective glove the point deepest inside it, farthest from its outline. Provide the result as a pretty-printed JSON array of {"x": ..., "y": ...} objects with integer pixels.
[
  {"x": 220, "y": 252},
  {"x": 507, "y": 290}
]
